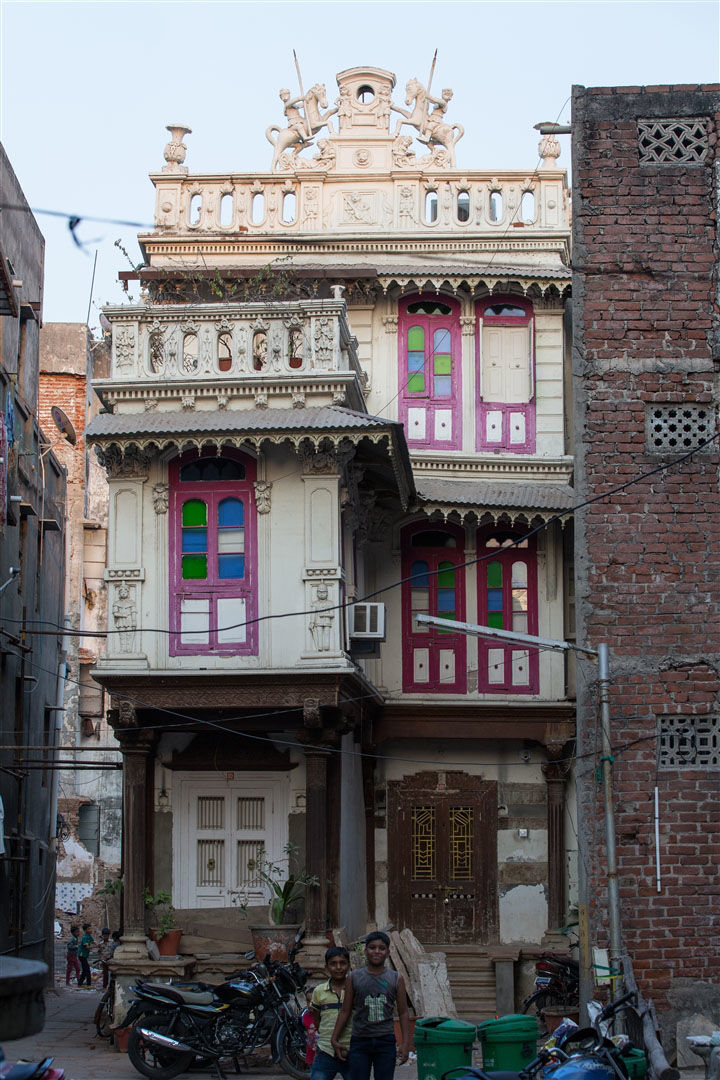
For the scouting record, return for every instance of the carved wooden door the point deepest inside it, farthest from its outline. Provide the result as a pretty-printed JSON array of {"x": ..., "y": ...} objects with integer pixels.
[{"x": 443, "y": 868}]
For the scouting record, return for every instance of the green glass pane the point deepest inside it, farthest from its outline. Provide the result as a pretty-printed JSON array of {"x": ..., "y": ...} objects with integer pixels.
[
  {"x": 416, "y": 339},
  {"x": 494, "y": 575},
  {"x": 495, "y": 620},
  {"x": 194, "y": 512},
  {"x": 441, "y": 364},
  {"x": 194, "y": 567},
  {"x": 446, "y": 576},
  {"x": 446, "y": 615},
  {"x": 416, "y": 384}
]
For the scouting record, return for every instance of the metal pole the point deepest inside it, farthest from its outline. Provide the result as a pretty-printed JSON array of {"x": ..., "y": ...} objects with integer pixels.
[{"x": 607, "y": 762}]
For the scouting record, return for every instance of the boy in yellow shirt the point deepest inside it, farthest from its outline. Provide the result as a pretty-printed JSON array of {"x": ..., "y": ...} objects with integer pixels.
[{"x": 325, "y": 1005}]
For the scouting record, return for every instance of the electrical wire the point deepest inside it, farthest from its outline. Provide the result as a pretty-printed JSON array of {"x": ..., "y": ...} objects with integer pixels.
[{"x": 196, "y": 721}]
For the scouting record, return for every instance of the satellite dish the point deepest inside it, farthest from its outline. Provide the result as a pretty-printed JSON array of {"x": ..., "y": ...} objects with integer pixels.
[
  {"x": 63, "y": 425},
  {"x": 105, "y": 322}
]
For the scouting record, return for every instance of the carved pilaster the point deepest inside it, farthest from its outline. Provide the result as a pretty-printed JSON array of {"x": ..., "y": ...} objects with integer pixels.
[{"x": 136, "y": 747}]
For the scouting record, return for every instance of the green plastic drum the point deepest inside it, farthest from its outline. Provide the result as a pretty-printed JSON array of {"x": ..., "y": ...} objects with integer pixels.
[
  {"x": 442, "y": 1045},
  {"x": 508, "y": 1044}
]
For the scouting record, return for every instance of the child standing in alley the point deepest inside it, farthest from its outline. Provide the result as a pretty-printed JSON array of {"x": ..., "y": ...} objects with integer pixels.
[
  {"x": 72, "y": 964},
  {"x": 326, "y": 1002},
  {"x": 371, "y": 995},
  {"x": 86, "y": 943}
]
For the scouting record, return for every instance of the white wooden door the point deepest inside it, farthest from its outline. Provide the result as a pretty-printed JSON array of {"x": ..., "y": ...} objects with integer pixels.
[
  {"x": 220, "y": 827},
  {"x": 505, "y": 372}
]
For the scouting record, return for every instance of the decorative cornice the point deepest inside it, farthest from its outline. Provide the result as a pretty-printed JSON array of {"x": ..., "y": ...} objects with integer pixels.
[{"x": 495, "y": 467}]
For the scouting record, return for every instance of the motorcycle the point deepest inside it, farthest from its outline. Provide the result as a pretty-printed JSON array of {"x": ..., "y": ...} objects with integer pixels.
[
  {"x": 42, "y": 1070},
  {"x": 557, "y": 982},
  {"x": 196, "y": 1024}
]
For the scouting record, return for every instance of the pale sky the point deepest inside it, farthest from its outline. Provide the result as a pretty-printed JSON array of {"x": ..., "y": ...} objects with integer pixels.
[{"x": 87, "y": 89}]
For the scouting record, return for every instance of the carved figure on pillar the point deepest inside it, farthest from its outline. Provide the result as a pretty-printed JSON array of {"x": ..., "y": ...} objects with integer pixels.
[
  {"x": 125, "y": 617},
  {"x": 322, "y": 620}
]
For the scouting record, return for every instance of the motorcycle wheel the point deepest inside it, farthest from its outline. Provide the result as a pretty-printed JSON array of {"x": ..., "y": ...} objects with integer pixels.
[
  {"x": 290, "y": 1050},
  {"x": 153, "y": 1061}
]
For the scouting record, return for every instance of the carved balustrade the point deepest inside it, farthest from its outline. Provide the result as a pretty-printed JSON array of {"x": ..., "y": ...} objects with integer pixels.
[
  {"x": 231, "y": 341},
  {"x": 315, "y": 202}
]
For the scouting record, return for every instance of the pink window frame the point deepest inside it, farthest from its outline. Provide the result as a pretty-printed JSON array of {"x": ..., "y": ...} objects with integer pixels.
[
  {"x": 454, "y": 403},
  {"x": 213, "y": 492},
  {"x": 529, "y": 408},
  {"x": 433, "y": 640},
  {"x": 507, "y": 556}
]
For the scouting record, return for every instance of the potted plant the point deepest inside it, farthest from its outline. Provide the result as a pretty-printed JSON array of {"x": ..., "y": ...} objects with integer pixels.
[
  {"x": 165, "y": 933},
  {"x": 286, "y": 888}
]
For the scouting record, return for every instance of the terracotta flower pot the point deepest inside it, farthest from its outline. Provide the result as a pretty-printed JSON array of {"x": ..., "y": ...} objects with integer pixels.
[
  {"x": 167, "y": 943},
  {"x": 121, "y": 1037},
  {"x": 276, "y": 940}
]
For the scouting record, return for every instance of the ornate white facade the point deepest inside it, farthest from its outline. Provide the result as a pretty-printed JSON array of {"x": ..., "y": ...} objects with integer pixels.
[{"x": 375, "y": 335}]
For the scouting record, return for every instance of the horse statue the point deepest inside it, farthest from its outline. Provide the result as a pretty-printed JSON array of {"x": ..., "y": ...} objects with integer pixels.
[
  {"x": 431, "y": 126},
  {"x": 301, "y": 126}
]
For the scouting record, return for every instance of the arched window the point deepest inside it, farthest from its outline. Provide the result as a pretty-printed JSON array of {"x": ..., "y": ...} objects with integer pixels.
[
  {"x": 430, "y": 371},
  {"x": 506, "y": 383},
  {"x": 433, "y": 584},
  {"x": 507, "y": 600},
  {"x": 213, "y": 595}
]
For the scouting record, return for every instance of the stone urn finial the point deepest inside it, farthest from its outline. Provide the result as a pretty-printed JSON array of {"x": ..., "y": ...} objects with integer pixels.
[
  {"x": 549, "y": 150},
  {"x": 176, "y": 149}
]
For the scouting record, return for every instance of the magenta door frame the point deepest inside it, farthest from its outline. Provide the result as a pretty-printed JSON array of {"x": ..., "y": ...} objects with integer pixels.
[
  {"x": 528, "y": 409},
  {"x": 433, "y": 640},
  {"x": 454, "y": 402},
  {"x": 214, "y": 588}
]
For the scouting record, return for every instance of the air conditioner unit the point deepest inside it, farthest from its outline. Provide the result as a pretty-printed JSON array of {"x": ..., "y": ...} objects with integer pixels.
[{"x": 366, "y": 622}]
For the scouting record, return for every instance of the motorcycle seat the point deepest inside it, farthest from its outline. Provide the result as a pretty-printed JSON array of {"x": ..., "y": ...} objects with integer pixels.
[{"x": 175, "y": 993}]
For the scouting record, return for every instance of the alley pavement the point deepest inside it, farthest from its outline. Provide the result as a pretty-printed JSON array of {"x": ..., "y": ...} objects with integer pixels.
[{"x": 69, "y": 1036}]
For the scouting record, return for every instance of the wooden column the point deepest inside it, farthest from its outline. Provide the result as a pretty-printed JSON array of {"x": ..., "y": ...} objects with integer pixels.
[
  {"x": 556, "y": 774},
  {"x": 316, "y": 838},
  {"x": 136, "y": 747}
]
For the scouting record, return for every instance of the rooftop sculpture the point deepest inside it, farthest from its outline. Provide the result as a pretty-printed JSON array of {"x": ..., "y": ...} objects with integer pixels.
[{"x": 364, "y": 109}]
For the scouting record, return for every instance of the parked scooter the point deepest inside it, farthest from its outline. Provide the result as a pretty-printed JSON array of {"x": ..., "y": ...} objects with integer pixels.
[
  {"x": 201, "y": 1024},
  {"x": 42, "y": 1070},
  {"x": 583, "y": 1054}
]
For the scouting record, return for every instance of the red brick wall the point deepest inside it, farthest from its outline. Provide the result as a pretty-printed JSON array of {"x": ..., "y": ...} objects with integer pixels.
[
  {"x": 68, "y": 393},
  {"x": 648, "y": 559}
]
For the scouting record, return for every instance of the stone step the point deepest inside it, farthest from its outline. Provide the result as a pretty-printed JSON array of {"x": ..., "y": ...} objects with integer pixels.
[{"x": 472, "y": 980}]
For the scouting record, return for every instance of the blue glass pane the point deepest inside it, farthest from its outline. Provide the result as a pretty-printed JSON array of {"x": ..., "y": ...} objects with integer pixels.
[
  {"x": 194, "y": 539},
  {"x": 495, "y": 600},
  {"x": 446, "y": 600},
  {"x": 230, "y": 512},
  {"x": 441, "y": 341},
  {"x": 442, "y": 385},
  {"x": 419, "y": 571},
  {"x": 416, "y": 361},
  {"x": 231, "y": 566}
]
